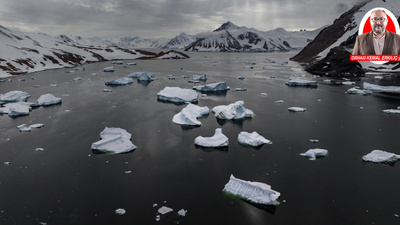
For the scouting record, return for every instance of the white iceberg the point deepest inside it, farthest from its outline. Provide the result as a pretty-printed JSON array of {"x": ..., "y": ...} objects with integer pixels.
[
  {"x": 142, "y": 76},
  {"x": 48, "y": 99},
  {"x": 189, "y": 115},
  {"x": 16, "y": 109},
  {"x": 218, "y": 140},
  {"x": 252, "y": 139},
  {"x": 232, "y": 111},
  {"x": 255, "y": 192},
  {"x": 315, "y": 153},
  {"x": 298, "y": 81},
  {"x": 379, "y": 156},
  {"x": 120, "y": 81},
  {"x": 14, "y": 96},
  {"x": 357, "y": 91},
  {"x": 182, "y": 212},
  {"x": 108, "y": 69},
  {"x": 391, "y": 111},
  {"x": 120, "y": 211},
  {"x": 177, "y": 95},
  {"x": 114, "y": 140},
  {"x": 214, "y": 87},
  {"x": 382, "y": 89},
  {"x": 164, "y": 210},
  {"x": 296, "y": 109},
  {"x": 200, "y": 77}
]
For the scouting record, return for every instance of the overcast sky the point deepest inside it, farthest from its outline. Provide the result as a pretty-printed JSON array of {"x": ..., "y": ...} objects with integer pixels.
[{"x": 164, "y": 18}]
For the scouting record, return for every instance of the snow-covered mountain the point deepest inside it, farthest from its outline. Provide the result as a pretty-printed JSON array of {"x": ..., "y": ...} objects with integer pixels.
[
  {"x": 27, "y": 52},
  {"x": 335, "y": 43},
  {"x": 180, "y": 41},
  {"x": 230, "y": 37}
]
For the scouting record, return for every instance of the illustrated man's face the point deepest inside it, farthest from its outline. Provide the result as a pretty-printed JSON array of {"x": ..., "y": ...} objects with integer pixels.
[{"x": 378, "y": 21}]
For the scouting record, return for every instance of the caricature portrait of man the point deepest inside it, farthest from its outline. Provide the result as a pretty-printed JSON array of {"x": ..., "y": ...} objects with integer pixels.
[{"x": 378, "y": 41}]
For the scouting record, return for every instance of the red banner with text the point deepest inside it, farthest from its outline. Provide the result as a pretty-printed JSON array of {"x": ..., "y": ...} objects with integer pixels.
[{"x": 374, "y": 57}]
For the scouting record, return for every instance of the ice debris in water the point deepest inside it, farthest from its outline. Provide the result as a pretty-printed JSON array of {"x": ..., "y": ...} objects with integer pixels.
[
  {"x": 189, "y": 115},
  {"x": 358, "y": 91},
  {"x": 120, "y": 81},
  {"x": 214, "y": 87},
  {"x": 232, "y": 111},
  {"x": 200, "y": 77},
  {"x": 142, "y": 76},
  {"x": 16, "y": 109},
  {"x": 177, "y": 95},
  {"x": 252, "y": 139},
  {"x": 120, "y": 211},
  {"x": 312, "y": 154},
  {"x": 392, "y": 111},
  {"x": 182, "y": 212},
  {"x": 296, "y": 109},
  {"x": 26, "y": 128},
  {"x": 255, "y": 192},
  {"x": 14, "y": 96},
  {"x": 48, "y": 99},
  {"x": 114, "y": 140},
  {"x": 297, "y": 80},
  {"x": 108, "y": 69},
  {"x": 379, "y": 156},
  {"x": 164, "y": 210},
  {"x": 382, "y": 89},
  {"x": 218, "y": 140}
]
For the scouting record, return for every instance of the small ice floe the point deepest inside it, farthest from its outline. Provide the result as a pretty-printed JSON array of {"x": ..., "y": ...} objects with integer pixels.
[
  {"x": 348, "y": 83},
  {"x": 200, "y": 77},
  {"x": 171, "y": 77},
  {"x": 194, "y": 81},
  {"x": 263, "y": 94},
  {"x": 77, "y": 78},
  {"x": 120, "y": 81},
  {"x": 252, "y": 139},
  {"x": 232, "y": 111},
  {"x": 70, "y": 71},
  {"x": 248, "y": 67},
  {"x": 241, "y": 89},
  {"x": 80, "y": 68},
  {"x": 16, "y": 109},
  {"x": 117, "y": 62},
  {"x": 7, "y": 163},
  {"x": 392, "y": 111},
  {"x": 312, "y": 154},
  {"x": 109, "y": 69},
  {"x": 279, "y": 101},
  {"x": 378, "y": 77},
  {"x": 240, "y": 77},
  {"x": 53, "y": 85},
  {"x": 314, "y": 140},
  {"x": 255, "y": 192},
  {"x": 177, "y": 95},
  {"x": 120, "y": 211},
  {"x": 114, "y": 140},
  {"x": 189, "y": 115},
  {"x": 39, "y": 149},
  {"x": 14, "y": 96},
  {"x": 48, "y": 99},
  {"x": 296, "y": 109},
  {"x": 299, "y": 81},
  {"x": 131, "y": 64},
  {"x": 182, "y": 212},
  {"x": 382, "y": 89},
  {"x": 216, "y": 141},
  {"x": 379, "y": 156},
  {"x": 142, "y": 76},
  {"x": 26, "y": 128},
  {"x": 164, "y": 210},
  {"x": 358, "y": 91},
  {"x": 107, "y": 90},
  {"x": 214, "y": 87}
]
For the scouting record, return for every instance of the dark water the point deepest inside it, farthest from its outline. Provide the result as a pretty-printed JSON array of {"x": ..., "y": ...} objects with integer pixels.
[{"x": 68, "y": 184}]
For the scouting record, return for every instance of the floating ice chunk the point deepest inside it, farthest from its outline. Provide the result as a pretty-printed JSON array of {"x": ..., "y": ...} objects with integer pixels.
[
  {"x": 379, "y": 156},
  {"x": 391, "y": 111},
  {"x": 382, "y": 89},
  {"x": 189, "y": 115},
  {"x": 298, "y": 81},
  {"x": 218, "y": 140},
  {"x": 200, "y": 77},
  {"x": 358, "y": 91},
  {"x": 114, "y": 140},
  {"x": 131, "y": 64},
  {"x": 240, "y": 77},
  {"x": 255, "y": 192},
  {"x": 315, "y": 153},
  {"x": 25, "y": 129},
  {"x": 108, "y": 69},
  {"x": 232, "y": 111},
  {"x": 138, "y": 74},
  {"x": 164, "y": 210},
  {"x": 247, "y": 67},
  {"x": 177, "y": 95},
  {"x": 182, "y": 212},
  {"x": 39, "y": 149},
  {"x": 37, "y": 125},
  {"x": 120, "y": 211},
  {"x": 241, "y": 89},
  {"x": 252, "y": 139},
  {"x": 117, "y": 62},
  {"x": 297, "y": 109},
  {"x": 14, "y": 96},
  {"x": 348, "y": 83},
  {"x": 214, "y": 87},
  {"x": 120, "y": 81},
  {"x": 107, "y": 90},
  {"x": 53, "y": 85},
  {"x": 279, "y": 101},
  {"x": 16, "y": 109},
  {"x": 263, "y": 94},
  {"x": 48, "y": 99}
]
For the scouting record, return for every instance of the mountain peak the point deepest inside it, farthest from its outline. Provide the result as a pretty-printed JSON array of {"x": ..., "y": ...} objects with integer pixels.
[{"x": 226, "y": 26}]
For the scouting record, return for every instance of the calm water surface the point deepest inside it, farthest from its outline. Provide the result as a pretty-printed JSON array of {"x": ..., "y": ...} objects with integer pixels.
[{"x": 69, "y": 184}]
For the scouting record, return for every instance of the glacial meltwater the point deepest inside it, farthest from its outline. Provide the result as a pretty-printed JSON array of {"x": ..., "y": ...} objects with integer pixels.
[{"x": 50, "y": 174}]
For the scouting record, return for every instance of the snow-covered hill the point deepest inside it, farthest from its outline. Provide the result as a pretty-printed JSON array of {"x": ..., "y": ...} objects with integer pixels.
[
  {"x": 230, "y": 37},
  {"x": 27, "y": 52},
  {"x": 340, "y": 38},
  {"x": 180, "y": 41}
]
